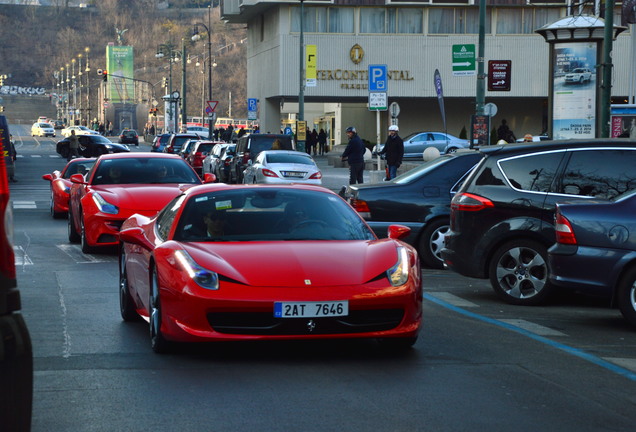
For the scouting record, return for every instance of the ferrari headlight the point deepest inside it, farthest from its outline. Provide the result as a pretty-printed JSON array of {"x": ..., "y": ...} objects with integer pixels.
[
  {"x": 203, "y": 277},
  {"x": 399, "y": 273},
  {"x": 103, "y": 205}
]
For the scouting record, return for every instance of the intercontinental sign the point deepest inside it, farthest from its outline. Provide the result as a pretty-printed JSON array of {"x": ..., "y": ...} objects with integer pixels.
[{"x": 358, "y": 79}]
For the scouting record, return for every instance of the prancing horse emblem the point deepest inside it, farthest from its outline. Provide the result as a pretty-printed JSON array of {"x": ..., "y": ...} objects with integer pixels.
[{"x": 311, "y": 325}]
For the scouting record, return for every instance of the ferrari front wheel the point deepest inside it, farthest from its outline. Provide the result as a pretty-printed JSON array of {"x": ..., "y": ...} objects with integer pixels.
[{"x": 158, "y": 343}]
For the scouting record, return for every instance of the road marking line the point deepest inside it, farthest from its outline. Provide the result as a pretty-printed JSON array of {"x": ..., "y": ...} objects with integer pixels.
[
  {"x": 75, "y": 252},
  {"x": 533, "y": 327},
  {"x": 627, "y": 363},
  {"x": 579, "y": 353},
  {"x": 21, "y": 258},
  {"x": 36, "y": 156},
  {"x": 453, "y": 299},
  {"x": 24, "y": 205}
]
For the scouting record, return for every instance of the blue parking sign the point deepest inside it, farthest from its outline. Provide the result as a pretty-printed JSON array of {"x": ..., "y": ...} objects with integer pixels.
[
  {"x": 252, "y": 104},
  {"x": 377, "y": 78}
]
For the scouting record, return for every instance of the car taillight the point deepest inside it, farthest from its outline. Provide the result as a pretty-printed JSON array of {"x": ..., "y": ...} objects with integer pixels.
[
  {"x": 360, "y": 206},
  {"x": 316, "y": 176},
  {"x": 470, "y": 202},
  {"x": 269, "y": 173},
  {"x": 563, "y": 228}
]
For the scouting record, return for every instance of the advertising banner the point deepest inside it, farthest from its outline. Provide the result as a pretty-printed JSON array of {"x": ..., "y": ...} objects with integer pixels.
[
  {"x": 310, "y": 66},
  {"x": 120, "y": 87},
  {"x": 623, "y": 121},
  {"x": 574, "y": 84}
]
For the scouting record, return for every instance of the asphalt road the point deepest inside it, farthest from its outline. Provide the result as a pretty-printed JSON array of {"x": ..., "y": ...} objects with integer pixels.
[{"x": 479, "y": 365}]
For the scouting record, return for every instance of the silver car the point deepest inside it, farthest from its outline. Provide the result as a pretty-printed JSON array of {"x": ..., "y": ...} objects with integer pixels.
[
  {"x": 281, "y": 167},
  {"x": 416, "y": 143}
]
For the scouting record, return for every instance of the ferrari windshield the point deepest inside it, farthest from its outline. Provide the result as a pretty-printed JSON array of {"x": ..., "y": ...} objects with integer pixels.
[
  {"x": 141, "y": 170},
  {"x": 260, "y": 214}
]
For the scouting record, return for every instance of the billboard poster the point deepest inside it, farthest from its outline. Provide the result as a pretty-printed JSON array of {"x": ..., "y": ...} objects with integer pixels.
[
  {"x": 574, "y": 84},
  {"x": 623, "y": 121},
  {"x": 479, "y": 130},
  {"x": 120, "y": 67}
]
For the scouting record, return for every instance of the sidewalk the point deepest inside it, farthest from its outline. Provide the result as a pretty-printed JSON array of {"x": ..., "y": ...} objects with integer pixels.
[{"x": 335, "y": 178}]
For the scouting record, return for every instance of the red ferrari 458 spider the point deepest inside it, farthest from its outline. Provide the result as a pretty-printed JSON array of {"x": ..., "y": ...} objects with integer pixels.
[
  {"x": 239, "y": 262},
  {"x": 118, "y": 186},
  {"x": 61, "y": 184}
]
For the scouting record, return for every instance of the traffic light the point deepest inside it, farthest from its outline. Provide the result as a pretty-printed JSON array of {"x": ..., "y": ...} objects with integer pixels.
[
  {"x": 105, "y": 75},
  {"x": 164, "y": 82}
]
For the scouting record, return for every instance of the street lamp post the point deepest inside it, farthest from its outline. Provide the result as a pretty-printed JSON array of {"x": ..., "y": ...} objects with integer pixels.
[
  {"x": 74, "y": 83},
  {"x": 88, "y": 87},
  {"x": 196, "y": 37},
  {"x": 162, "y": 51},
  {"x": 79, "y": 73},
  {"x": 68, "y": 90}
]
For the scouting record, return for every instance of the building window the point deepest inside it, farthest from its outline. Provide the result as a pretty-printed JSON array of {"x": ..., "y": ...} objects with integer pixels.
[
  {"x": 509, "y": 21},
  {"x": 323, "y": 20},
  {"x": 372, "y": 20},
  {"x": 456, "y": 20},
  {"x": 410, "y": 20}
]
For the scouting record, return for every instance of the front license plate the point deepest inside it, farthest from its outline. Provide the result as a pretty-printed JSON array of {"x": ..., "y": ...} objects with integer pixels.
[{"x": 310, "y": 309}]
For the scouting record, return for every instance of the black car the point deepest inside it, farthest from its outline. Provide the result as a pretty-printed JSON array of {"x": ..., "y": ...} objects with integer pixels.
[
  {"x": 160, "y": 142},
  {"x": 595, "y": 250},
  {"x": 91, "y": 146},
  {"x": 129, "y": 136},
  {"x": 249, "y": 146},
  {"x": 502, "y": 218},
  {"x": 419, "y": 199},
  {"x": 176, "y": 142}
]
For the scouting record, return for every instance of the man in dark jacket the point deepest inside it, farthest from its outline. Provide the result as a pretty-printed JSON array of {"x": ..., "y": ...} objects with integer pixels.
[
  {"x": 354, "y": 155},
  {"x": 394, "y": 151}
]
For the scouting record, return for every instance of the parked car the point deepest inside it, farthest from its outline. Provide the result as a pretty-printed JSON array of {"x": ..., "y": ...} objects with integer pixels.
[
  {"x": 79, "y": 130},
  {"x": 42, "y": 129},
  {"x": 91, "y": 146},
  {"x": 201, "y": 131},
  {"x": 160, "y": 142},
  {"x": 119, "y": 186},
  {"x": 61, "y": 184},
  {"x": 223, "y": 167},
  {"x": 502, "y": 218},
  {"x": 416, "y": 143},
  {"x": 249, "y": 146},
  {"x": 190, "y": 270},
  {"x": 58, "y": 124},
  {"x": 129, "y": 136},
  {"x": 16, "y": 353},
  {"x": 186, "y": 148},
  {"x": 213, "y": 158},
  {"x": 595, "y": 250},
  {"x": 199, "y": 151},
  {"x": 282, "y": 167},
  {"x": 578, "y": 75},
  {"x": 176, "y": 141},
  {"x": 419, "y": 199}
]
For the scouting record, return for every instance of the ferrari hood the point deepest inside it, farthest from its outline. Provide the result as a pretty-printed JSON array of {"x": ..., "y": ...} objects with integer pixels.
[
  {"x": 140, "y": 198},
  {"x": 297, "y": 263}
]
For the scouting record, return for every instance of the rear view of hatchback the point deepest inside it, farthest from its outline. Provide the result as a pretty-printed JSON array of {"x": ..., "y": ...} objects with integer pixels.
[{"x": 502, "y": 218}]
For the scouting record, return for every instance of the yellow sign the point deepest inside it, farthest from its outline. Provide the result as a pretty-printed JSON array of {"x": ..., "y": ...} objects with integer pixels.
[
  {"x": 310, "y": 66},
  {"x": 301, "y": 130}
]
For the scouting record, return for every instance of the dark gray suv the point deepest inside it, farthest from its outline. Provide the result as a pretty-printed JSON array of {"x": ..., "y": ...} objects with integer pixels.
[{"x": 502, "y": 218}]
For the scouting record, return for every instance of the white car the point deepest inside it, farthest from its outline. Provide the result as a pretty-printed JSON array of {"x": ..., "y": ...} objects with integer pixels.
[
  {"x": 579, "y": 75},
  {"x": 203, "y": 132},
  {"x": 79, "y": 130},
  {"x": 42, "y": 129},
  {"x": 282, "y": 167}
]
